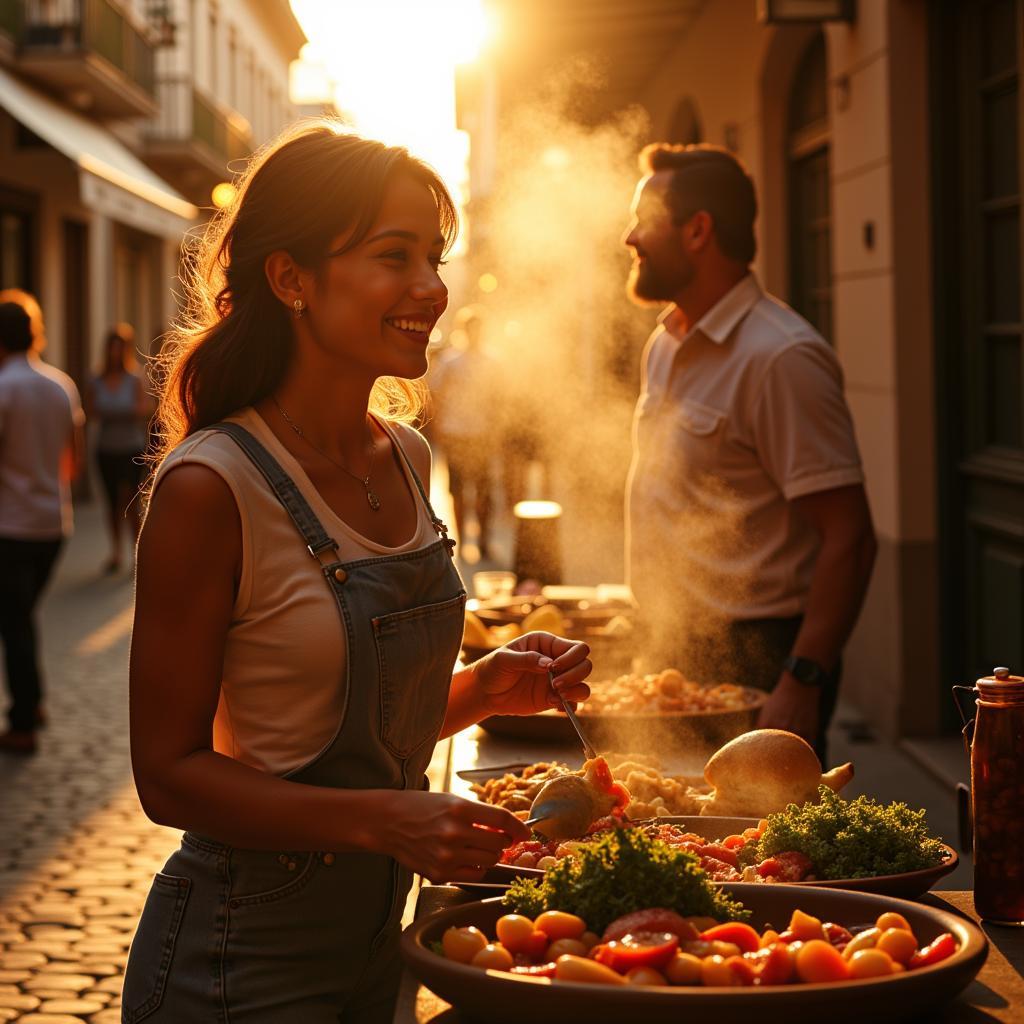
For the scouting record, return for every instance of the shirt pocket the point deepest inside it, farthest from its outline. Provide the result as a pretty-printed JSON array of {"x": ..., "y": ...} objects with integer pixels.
[
  {"x": 416, "y": 653},
  {"x": 153, "y": 947},
  {"x": 697, "y": 434}
]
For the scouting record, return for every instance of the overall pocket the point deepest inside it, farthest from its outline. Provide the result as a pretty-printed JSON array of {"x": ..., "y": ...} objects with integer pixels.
[
  {"x": 153, "y": 947},
  {"x": 416, "y": 652}
]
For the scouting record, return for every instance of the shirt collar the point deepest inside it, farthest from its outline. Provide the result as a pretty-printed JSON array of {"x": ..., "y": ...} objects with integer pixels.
[{"x": 721, "y": 319}]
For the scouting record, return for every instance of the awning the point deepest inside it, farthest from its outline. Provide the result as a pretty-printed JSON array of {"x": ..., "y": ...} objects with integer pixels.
[{"x": 138, "y": 196}]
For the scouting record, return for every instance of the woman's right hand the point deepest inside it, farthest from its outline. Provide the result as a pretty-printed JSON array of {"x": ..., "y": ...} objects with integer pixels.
[{"x": 443, "y": 837}]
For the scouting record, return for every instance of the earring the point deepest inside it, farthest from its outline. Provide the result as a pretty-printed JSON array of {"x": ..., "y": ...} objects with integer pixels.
[{"x": 299, "y": 306}]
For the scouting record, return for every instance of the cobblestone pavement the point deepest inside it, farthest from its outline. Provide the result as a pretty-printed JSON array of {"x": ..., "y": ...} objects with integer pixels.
[{"x": 76, "y": 851}]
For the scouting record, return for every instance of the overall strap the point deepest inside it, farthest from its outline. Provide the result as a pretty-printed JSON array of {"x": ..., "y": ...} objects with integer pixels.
[
  {"x": 304, "y": 518},
  {"x": 440, "y": 528}
]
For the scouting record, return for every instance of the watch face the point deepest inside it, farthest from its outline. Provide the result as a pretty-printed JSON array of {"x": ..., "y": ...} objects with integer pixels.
[{"x": 806, "y": 671}]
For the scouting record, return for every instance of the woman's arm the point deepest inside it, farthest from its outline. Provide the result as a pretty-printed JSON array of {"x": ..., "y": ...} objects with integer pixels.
[{"x": 188, "y": 567}]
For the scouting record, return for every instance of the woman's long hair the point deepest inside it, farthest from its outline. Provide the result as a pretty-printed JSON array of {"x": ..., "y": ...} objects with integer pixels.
[{"x": 231, "y": 345}]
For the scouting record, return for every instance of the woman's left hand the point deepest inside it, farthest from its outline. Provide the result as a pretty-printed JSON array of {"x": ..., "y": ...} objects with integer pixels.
[{"x": 513, "y": 680}]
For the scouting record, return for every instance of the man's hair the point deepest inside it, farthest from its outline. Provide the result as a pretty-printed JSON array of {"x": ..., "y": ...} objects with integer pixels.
[
  {"x": 15, "y": 328},
  {"x": 709, "y": 178}
]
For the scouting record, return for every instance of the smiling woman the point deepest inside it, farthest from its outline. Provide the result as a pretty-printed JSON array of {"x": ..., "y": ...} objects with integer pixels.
[{"x": 298, "y": 612}]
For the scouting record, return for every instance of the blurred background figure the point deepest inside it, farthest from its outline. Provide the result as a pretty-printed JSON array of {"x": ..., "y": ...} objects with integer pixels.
[
  {"x": 464, "y": 383},
  {"x": 41, "y": 451},
  {"x": 118, "y": 401}
]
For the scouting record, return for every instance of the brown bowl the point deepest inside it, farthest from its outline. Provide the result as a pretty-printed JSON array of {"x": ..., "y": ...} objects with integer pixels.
[
  {"x": 908, "y": 885},
  {"x": 498, "y": 997}
]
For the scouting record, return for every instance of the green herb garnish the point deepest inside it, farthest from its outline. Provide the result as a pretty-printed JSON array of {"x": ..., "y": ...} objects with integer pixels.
[
  {"x": 623, "y": 871},
  {"x": 850, "y": 839}
]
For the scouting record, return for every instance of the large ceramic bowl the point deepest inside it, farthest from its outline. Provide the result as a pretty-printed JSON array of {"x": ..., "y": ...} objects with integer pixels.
[
  {"x": 908, "y": 885},
  {"x": 496, "y": 997}
]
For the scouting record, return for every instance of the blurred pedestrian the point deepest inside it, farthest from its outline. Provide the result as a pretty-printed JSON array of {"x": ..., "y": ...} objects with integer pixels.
[
  {"x": 118, "y": 402},
  {"x": 41, "y": 451},
  {"x": 465, "y": 384},
  {"x": 750, "y": 536}
]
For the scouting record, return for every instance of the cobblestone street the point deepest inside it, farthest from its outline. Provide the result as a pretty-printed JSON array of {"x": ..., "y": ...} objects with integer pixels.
[{"x": 77, "y": 854}]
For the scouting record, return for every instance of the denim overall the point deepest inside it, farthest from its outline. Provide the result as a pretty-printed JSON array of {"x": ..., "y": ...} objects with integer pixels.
[{"x": 238, "y": 936}]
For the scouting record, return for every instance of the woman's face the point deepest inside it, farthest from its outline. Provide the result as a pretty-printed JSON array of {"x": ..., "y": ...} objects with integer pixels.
[
  {"x": 376, "y": 304},
  {"x": 115, "y": 353}
]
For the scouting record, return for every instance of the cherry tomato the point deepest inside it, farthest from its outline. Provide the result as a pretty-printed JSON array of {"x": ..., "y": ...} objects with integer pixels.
[
  {"x": 898, "y": 943},
  {"x": 657, "y": 919},
  {"x": 493, "y": 958},
  {"x": 863, "y": 940},
  {"x": 578, "y": 968},
  {"x": 817, "y": 961},
  {"x": 561, "y": 947},
  {"x": 944, "y": 946},
  {"x": 736, "y": 932},
  {"x": 556, "y": 924},
  {"x": 536, "y": 947},
  {"x": 514, "y": 932},
  {"x": 769, "y": 867},
  {"x": 462, "y": 944},
  {"x": 683, "y": 969},
  {"x": 734, "y": 842},
  {"x": 743, "y": 969},
  {"x": 779, "y": 965},
  {"x": 870, "y": 963},
  {"x": 837, "y": 935},
  {"x": 716, "y": 972},
  {"x": 645, "y": 976},
  {"x": 637, "y": 949},
  {"x": 890, "y": 919}
]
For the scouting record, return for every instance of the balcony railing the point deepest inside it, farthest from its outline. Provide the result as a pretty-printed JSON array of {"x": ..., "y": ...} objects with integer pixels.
[
  {"x": 82, "y": 26},
  {"x": 186, "y": 115}
]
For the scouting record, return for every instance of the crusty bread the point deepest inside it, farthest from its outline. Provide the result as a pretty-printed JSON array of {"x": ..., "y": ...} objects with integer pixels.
[{"x": 764, "y": 771}]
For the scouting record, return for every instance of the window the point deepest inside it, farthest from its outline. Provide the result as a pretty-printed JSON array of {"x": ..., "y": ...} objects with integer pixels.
[{"x": 810, "y": 201}]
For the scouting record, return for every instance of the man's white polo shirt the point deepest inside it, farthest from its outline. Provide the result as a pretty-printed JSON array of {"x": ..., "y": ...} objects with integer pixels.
[{"x": 737, "y": 417}]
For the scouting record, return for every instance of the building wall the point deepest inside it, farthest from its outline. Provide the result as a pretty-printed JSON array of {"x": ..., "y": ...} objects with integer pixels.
[{"x": 882, "y": 295}]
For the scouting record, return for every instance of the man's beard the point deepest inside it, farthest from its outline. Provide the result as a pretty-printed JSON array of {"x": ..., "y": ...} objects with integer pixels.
[{"x": 649, "y": 284}]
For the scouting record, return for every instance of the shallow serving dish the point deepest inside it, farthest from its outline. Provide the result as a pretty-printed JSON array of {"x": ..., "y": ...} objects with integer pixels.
[
  {"x": 908, "y": 885},
  {"x": 653, "y": 731},
  {"x": 494, "y": 996}
]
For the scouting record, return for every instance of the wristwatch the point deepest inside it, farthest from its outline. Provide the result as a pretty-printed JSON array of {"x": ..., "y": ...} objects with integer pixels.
[{"x": 805, "y": 671}]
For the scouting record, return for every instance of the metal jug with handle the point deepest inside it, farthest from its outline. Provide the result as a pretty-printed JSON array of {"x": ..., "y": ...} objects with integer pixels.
[{"x": 994, "y": 738}]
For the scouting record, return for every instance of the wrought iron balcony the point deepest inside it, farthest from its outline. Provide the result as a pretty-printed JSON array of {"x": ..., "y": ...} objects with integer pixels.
[
  {"x": 90, "y": 51},
  {"x": 193, "y": 140}
]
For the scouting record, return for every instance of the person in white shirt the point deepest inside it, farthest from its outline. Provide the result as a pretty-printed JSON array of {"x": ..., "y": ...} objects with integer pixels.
[
  {"x": 750, "y": 541},
  {"x": 41, "y": 450}
]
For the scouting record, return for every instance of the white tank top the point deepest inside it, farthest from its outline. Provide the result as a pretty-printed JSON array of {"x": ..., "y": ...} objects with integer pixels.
[{"x": 284, "y": 656}]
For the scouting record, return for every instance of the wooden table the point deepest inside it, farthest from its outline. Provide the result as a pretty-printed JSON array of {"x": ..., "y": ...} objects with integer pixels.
[{"x": 997, "y": 994}]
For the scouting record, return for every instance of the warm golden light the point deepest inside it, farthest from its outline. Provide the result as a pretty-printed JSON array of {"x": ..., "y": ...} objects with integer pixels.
[
  {"x": 488, "y": 283},
  {"x": 223, "y": 194},
  {"x": 393, "y": 66},
  {"x": 537, "y": 510}
]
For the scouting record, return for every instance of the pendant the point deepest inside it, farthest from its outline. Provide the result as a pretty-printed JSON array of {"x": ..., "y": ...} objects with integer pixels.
[{"x": 373, "y": 500}]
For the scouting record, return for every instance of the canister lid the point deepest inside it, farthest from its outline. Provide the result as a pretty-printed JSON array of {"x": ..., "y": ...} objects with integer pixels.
[{"x": 1002, "y": 685}]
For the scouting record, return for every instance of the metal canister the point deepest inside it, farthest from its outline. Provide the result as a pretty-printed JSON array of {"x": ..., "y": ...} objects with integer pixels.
[{"x": 996, "y": 737}]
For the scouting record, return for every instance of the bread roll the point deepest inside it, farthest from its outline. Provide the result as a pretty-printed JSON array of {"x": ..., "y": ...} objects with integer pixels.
[{"x": 764, "y": 771}]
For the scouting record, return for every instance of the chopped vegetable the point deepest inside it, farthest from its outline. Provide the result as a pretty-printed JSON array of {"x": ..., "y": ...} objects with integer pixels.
[
  {"x": 643, "y": 949},
  {"x": 621, "y": 872},
  {"x": 849, "y": 839},
  {"x": 944, "y": 946}
]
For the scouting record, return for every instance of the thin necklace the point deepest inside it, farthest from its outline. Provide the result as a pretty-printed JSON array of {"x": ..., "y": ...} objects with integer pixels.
[{"x": 372, "y": 498}]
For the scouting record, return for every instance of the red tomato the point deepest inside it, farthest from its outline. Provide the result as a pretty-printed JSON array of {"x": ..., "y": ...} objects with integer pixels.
[
  {"x": 637, "y": 949},
  {"x": 723, "y": 853},
  {"x": 837, "y": 935},
  {"x": 743, "y": 969},
  {"x": 769, "y": 866},
  {"x": 779, "y": 965},
  {"x": 535, "y": 946},
  {"x": 535, "y": 971},
  {"x": 656, "y": 919},
  {"x": 944, "y": 946},
  {"x": 734, "y": 842},
  {"x": 795, "y": 866},
  {"x": 736, "y": 932}
]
